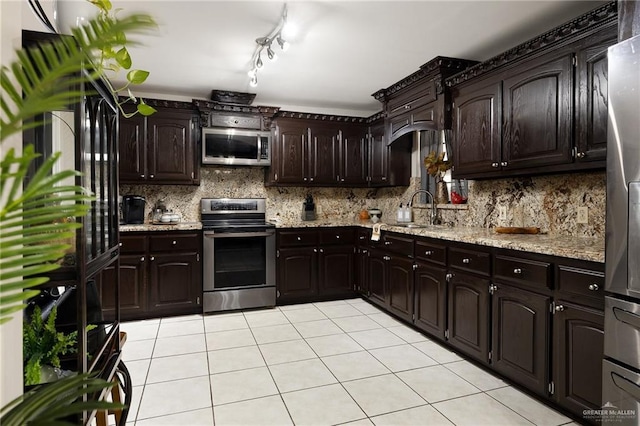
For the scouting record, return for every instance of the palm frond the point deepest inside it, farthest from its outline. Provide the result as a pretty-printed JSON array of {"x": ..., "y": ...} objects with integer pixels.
[{"x": 46, "y": 78}]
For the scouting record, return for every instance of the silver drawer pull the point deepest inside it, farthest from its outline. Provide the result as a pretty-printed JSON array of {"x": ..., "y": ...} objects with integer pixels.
[
  {"x": 594, "y": 287},
  {"x": 142, "y": 259},
  {"x": 495, "y": 165},
  {"x": 387, "y": 243},
  {"x": 428, "y": 253},
  {"x": 174, "y": 242},
  {"x": 517, "y": 271},
  {"x": 119, "y": 244},
  {"x": 299, "y": 239},
  {"x": 338, "y": 237},
  {"x": 386, "y": 258},
  {"x": 559, "y": 308},
  {"x": 466, "y": 260},
  {"x": 153, "y": 258}
]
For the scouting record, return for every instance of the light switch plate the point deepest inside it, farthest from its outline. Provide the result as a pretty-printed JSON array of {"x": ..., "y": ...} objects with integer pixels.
[{"x": 502, "y": 213}]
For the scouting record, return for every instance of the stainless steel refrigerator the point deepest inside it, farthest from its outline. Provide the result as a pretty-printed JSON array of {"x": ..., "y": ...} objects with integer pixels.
[{"x": 621, "y": 366}]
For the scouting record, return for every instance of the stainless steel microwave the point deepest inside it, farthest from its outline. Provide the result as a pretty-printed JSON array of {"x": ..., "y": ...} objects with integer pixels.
[{"x": 234, "y": 147}]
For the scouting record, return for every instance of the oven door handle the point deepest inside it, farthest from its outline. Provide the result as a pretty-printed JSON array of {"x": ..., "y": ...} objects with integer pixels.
[{"x": 239, "y": 234}]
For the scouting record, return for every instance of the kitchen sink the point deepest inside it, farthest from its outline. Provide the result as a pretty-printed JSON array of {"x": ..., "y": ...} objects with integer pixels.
[{"x": 410, "y": 225}]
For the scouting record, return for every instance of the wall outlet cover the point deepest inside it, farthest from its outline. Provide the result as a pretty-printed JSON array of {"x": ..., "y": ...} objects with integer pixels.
[
  {"x": 583, "y": 215},
  {"x": 502, "y": 213}
]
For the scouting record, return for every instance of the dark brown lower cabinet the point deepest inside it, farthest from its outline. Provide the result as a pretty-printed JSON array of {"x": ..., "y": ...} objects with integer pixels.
[
  {"x": 430, "y": 299},
  {"x": 172, "y": 283},
  {"x": 520, "y": 336},
  {"x": 297, "y": 272},
  {"x": 578, "y": 353},
  {"x": 362, "y": 271},
  {"x": 400, "y": 285},
  {"x": 160, "y": 275},
  {"x": 133, "y": 278},
  {"x": 335, "y": 270},
  {"x": 469, "y": 315},
  {"x": 377, "y": 277}
]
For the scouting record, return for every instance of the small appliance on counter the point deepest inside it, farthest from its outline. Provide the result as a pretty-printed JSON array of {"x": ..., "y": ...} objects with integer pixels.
[
  {"x": 133, "y": 209},
  {"x": 308, "y": 208}
]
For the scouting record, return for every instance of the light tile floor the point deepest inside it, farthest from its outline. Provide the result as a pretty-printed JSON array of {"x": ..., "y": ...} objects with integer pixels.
[{"x": 342, "y": 362}]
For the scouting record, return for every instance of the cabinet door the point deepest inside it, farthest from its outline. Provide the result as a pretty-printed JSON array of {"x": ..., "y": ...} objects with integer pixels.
[
  {"x": 362, "y": 271},
  {"x": 538, "y": 113},
  {"x": 133, "y": 278},
  {"x": 520, "y": 342},
  {"x": 353, "y": 151},
  {"x": 431, "y": 299},
  {"x": 132, "y": 149},
  {"x": 592, "y": 99},
  {"x": 175, "y": 284},
  {"x": 378, "y": 156},
  {"x": 291, "y": 147},
  {"x": 478, "y": 128},
  {"x": 400, "y": 285},
  {"x": 469, "y": 315},
  {"x": 297, "y": 272},
  {"x": 171, "y": 147},
  {"x": 336, "y": 270},
  {"x": 323, "y": 156},
  {"x": 578, "y": 339},
  {"x": 377, "y": 277}
]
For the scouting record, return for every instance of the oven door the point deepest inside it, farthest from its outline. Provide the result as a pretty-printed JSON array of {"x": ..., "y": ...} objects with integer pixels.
[{"x": 239, "y": 260}]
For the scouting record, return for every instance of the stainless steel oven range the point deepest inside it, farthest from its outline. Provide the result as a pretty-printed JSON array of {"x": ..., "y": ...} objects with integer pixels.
[{"x": 239, "y": 251}]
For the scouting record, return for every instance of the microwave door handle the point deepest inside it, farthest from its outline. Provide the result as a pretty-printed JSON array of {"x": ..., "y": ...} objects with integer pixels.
[{"x": 259, "y": 147}]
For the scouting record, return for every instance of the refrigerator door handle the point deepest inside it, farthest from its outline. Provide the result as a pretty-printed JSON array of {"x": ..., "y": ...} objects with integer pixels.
[
  {"x": 626, "y": 385},
  {"x": 627, "y": 317}
]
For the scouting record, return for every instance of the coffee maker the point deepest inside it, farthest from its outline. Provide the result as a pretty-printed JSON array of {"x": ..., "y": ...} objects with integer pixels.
[{"x": 133, "y": 209}]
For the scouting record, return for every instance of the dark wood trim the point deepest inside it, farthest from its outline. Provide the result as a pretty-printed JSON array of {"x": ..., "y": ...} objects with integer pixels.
[
  {"x": 587, "y": 22},
  {"x": 321, "y": 117},
  {"x": 238, "y": 98},
  {"x": 440, "y": 66}
]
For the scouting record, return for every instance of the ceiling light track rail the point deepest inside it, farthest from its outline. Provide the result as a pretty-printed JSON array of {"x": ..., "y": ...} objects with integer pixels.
[{"x": 265, "y": 44}]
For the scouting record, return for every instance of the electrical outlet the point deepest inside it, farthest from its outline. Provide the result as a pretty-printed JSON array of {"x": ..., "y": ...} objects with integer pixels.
[
  {"x": 583, "y": 215},
  {"x": 502, "y": 213}
]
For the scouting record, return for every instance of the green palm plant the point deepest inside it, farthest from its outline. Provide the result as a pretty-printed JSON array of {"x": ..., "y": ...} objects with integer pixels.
[{"x": 32, "y": 219}]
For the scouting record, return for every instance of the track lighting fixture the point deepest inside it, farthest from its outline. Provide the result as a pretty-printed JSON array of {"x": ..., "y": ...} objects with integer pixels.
[{"x": 265, "y": 43}]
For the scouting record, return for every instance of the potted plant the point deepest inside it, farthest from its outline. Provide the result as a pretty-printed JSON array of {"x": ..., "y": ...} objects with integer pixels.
[
  {"x": 32, "y": 219},
  {"x": 437, "y": 166}
]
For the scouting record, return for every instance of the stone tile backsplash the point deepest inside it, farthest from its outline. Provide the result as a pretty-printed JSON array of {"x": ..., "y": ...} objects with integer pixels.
[{"x": 549, "y": 202}]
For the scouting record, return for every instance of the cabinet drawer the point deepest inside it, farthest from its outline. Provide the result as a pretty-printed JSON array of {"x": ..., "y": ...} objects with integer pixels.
[
  {"x": 414, "y": 97},
  {"x": 398, "y": 244},
  {"x": 431, "y": 252},
  {"x": 337, "y": 236},
  {"x": 299, "y": 237},
  {"x": 133, "y": 243},
  {"x": 174, "y": 242},
  {"x": 470, "y": 260},
  {"x": 583, "y": 282},
  {"x": 522, "y": 271},
  {"x": 363, "y": 237}
]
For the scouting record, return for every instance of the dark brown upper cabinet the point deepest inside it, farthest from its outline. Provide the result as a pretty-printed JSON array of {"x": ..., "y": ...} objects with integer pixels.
[
  {"x": 540, "y": 107},
  {"x": 420, "y": 101},
  {"x": 335, "y": 151},
  {"x": 161, "y": 148}
]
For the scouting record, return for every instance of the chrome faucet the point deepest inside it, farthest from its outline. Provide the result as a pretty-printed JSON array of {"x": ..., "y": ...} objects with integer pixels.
[{"x": 434, "y": 209}]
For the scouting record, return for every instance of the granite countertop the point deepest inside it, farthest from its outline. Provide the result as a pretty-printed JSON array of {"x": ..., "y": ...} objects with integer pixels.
[
  {"x": 145, "y": 227},
  {"x": 583, "y": 248}
]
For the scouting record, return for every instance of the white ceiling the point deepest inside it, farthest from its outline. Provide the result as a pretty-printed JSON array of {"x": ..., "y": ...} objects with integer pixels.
[{"x": 344, "y": 50}]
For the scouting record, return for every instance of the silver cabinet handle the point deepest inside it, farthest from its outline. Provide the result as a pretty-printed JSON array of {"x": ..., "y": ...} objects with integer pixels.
[
  {"x": 337, "y": 237},
  {"x": 174, "y": 242},
  {"x": 342, "y": 180},
  {"x": 492, "y": 288},
  {"x": 466, "y": 260},
  {"x": 428, "y": 253},
  {"x": 119, "y": 244},
  {"x": 504, "y": 164},
  {"x": 142, "y": 259},
  {"x": 387, "y": 243},
  {"x": 517, "y": 271},
  {"x": 299, "y": 238},
  {"x": 415, "y": 266},
  {"x": 407, "y": 107},
  {"x": 142, "y": 176},
  {"x": 304, "y": 179},
  {"x": 495, "y": 165},
  {"x": 581, "y": 155},
  {"x": 361, "y": 237},
  {"x": 151, "y": 176},
  {"x": 364, "y": 251},
  {"x": 315, "y": 250},
  {"x": 386, "y": 258},
  {"x": 321, "y": 250},
  {"x": 448, "y": 277},
  {"x": 559, "y": 308},
  {"x": 152, "y": 258},
  {"x": 310, "y": 179},
  {"x": 594, "y": 287}
]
